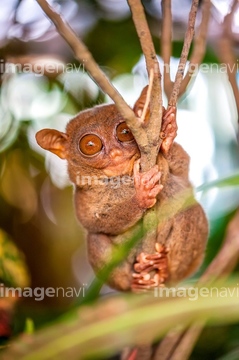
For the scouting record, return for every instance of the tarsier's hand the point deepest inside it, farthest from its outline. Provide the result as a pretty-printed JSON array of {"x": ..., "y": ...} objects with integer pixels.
[
  {"x": 147, "y": 185},
  {"x": 169, "y": 128}
]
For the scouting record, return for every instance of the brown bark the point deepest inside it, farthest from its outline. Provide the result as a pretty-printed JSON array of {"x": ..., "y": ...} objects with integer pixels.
[
  {"x": 184, "y": 55},
  {"x": 199, "y": 47},
  {"x": 226, "y": 54},
  {"x": 166, "y": 45},
  {"x": 149, "y": 153}
]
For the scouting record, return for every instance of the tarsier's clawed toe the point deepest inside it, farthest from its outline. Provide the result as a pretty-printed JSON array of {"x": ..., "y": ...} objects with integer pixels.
[
  {"x": 169, "y": 128},
  {"x": 151, "y": 270},
  {"x": 147, "y": 186}
]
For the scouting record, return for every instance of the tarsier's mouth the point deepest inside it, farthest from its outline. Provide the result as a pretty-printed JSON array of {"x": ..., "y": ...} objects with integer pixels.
[{"x": 122, "y": 168}]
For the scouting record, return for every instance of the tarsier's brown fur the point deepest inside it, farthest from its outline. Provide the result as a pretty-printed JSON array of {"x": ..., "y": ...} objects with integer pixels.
[{"x": 111, "y": 211}]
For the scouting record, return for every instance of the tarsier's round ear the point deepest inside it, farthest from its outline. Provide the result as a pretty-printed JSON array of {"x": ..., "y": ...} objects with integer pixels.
[
  {"x": 54, "y": 141},
  {"x": 140, "y": 103}
]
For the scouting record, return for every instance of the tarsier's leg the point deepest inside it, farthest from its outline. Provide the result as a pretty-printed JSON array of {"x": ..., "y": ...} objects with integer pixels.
[
  {"x": 101, "y": 250},
  {"x": 180, "y": 250},
  {"x": 187, "y": 242}
]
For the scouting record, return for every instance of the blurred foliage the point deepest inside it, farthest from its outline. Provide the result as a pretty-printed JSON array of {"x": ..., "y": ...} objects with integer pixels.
[
  {"x": 36, "y": 197},
  {"x": 95, "y": 332},
  {"x": 13, "y": 271}
]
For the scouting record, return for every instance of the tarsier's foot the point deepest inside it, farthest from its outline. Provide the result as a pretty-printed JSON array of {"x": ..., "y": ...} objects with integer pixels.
[
  {"x": 147, "y": 185},
  {"x": 169, "y": 128},
  {"x": 150, "y": 270}
]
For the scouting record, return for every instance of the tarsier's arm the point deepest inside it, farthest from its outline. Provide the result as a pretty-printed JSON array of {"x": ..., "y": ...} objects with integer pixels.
[{"x": 116, "y": 206}]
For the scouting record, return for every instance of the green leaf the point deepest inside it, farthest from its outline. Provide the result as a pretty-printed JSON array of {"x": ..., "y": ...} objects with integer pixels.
[
  {"x": 228, "y": 181},
  {"x": 234, "y": 355}
]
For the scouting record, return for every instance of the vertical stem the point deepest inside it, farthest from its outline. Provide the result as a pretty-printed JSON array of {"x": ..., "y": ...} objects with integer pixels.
[
  {"x": 166, "y": 45},
  {"x": 149, "y": 153},
  {"x": 184, "y": 55}
]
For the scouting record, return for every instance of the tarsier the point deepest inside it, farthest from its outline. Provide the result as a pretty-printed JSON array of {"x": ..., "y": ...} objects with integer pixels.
[{"x": 99, "y": 145}]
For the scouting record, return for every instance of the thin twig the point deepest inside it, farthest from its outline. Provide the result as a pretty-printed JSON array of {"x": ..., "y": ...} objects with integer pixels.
[
  {"x": 148, "y": 96},
  {"x": 167, "y": 345},
  {"x": 179, "y": 345},
  {"x": 85, "y": 57},
  {"x": 187, "y": 342},
  {"x": 199, "y": 47},
  {"x": 166, "y": 45},
  {"x": 149, "y": 154},
  {"x": 184, "y": 55},
  {"x": 226, "y": 53}
]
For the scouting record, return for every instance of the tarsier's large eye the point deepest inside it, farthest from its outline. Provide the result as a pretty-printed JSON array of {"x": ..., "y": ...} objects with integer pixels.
[
  {"x": 90, "y": 144},
  {"x": 123, "y": 132}
]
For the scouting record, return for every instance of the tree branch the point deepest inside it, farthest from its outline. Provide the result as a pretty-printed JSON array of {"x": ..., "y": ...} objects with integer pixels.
[
  {"x": 226, "y": 53},
  {"x": 184, "y": 55},
  {"x": 166, "y": 45},
  {"x": 149, "y": 154},
  {"x": 85, "y": 57},
  {"x": 199, "y": 46}
]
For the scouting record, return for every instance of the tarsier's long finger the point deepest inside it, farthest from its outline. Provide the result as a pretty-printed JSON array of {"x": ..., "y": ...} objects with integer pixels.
[
  {"x": 169, "y": 116},
  {"x": 169, "y": 129},
  {"x": 166, "y": 145},
  {"x": 151, "y": 178},
  {"x": 155, "y": 191},
  {"x": 151, "y": 270}
]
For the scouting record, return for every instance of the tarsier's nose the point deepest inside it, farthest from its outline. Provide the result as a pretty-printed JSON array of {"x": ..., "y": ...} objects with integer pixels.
[{"x": 115, "y": 153}]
